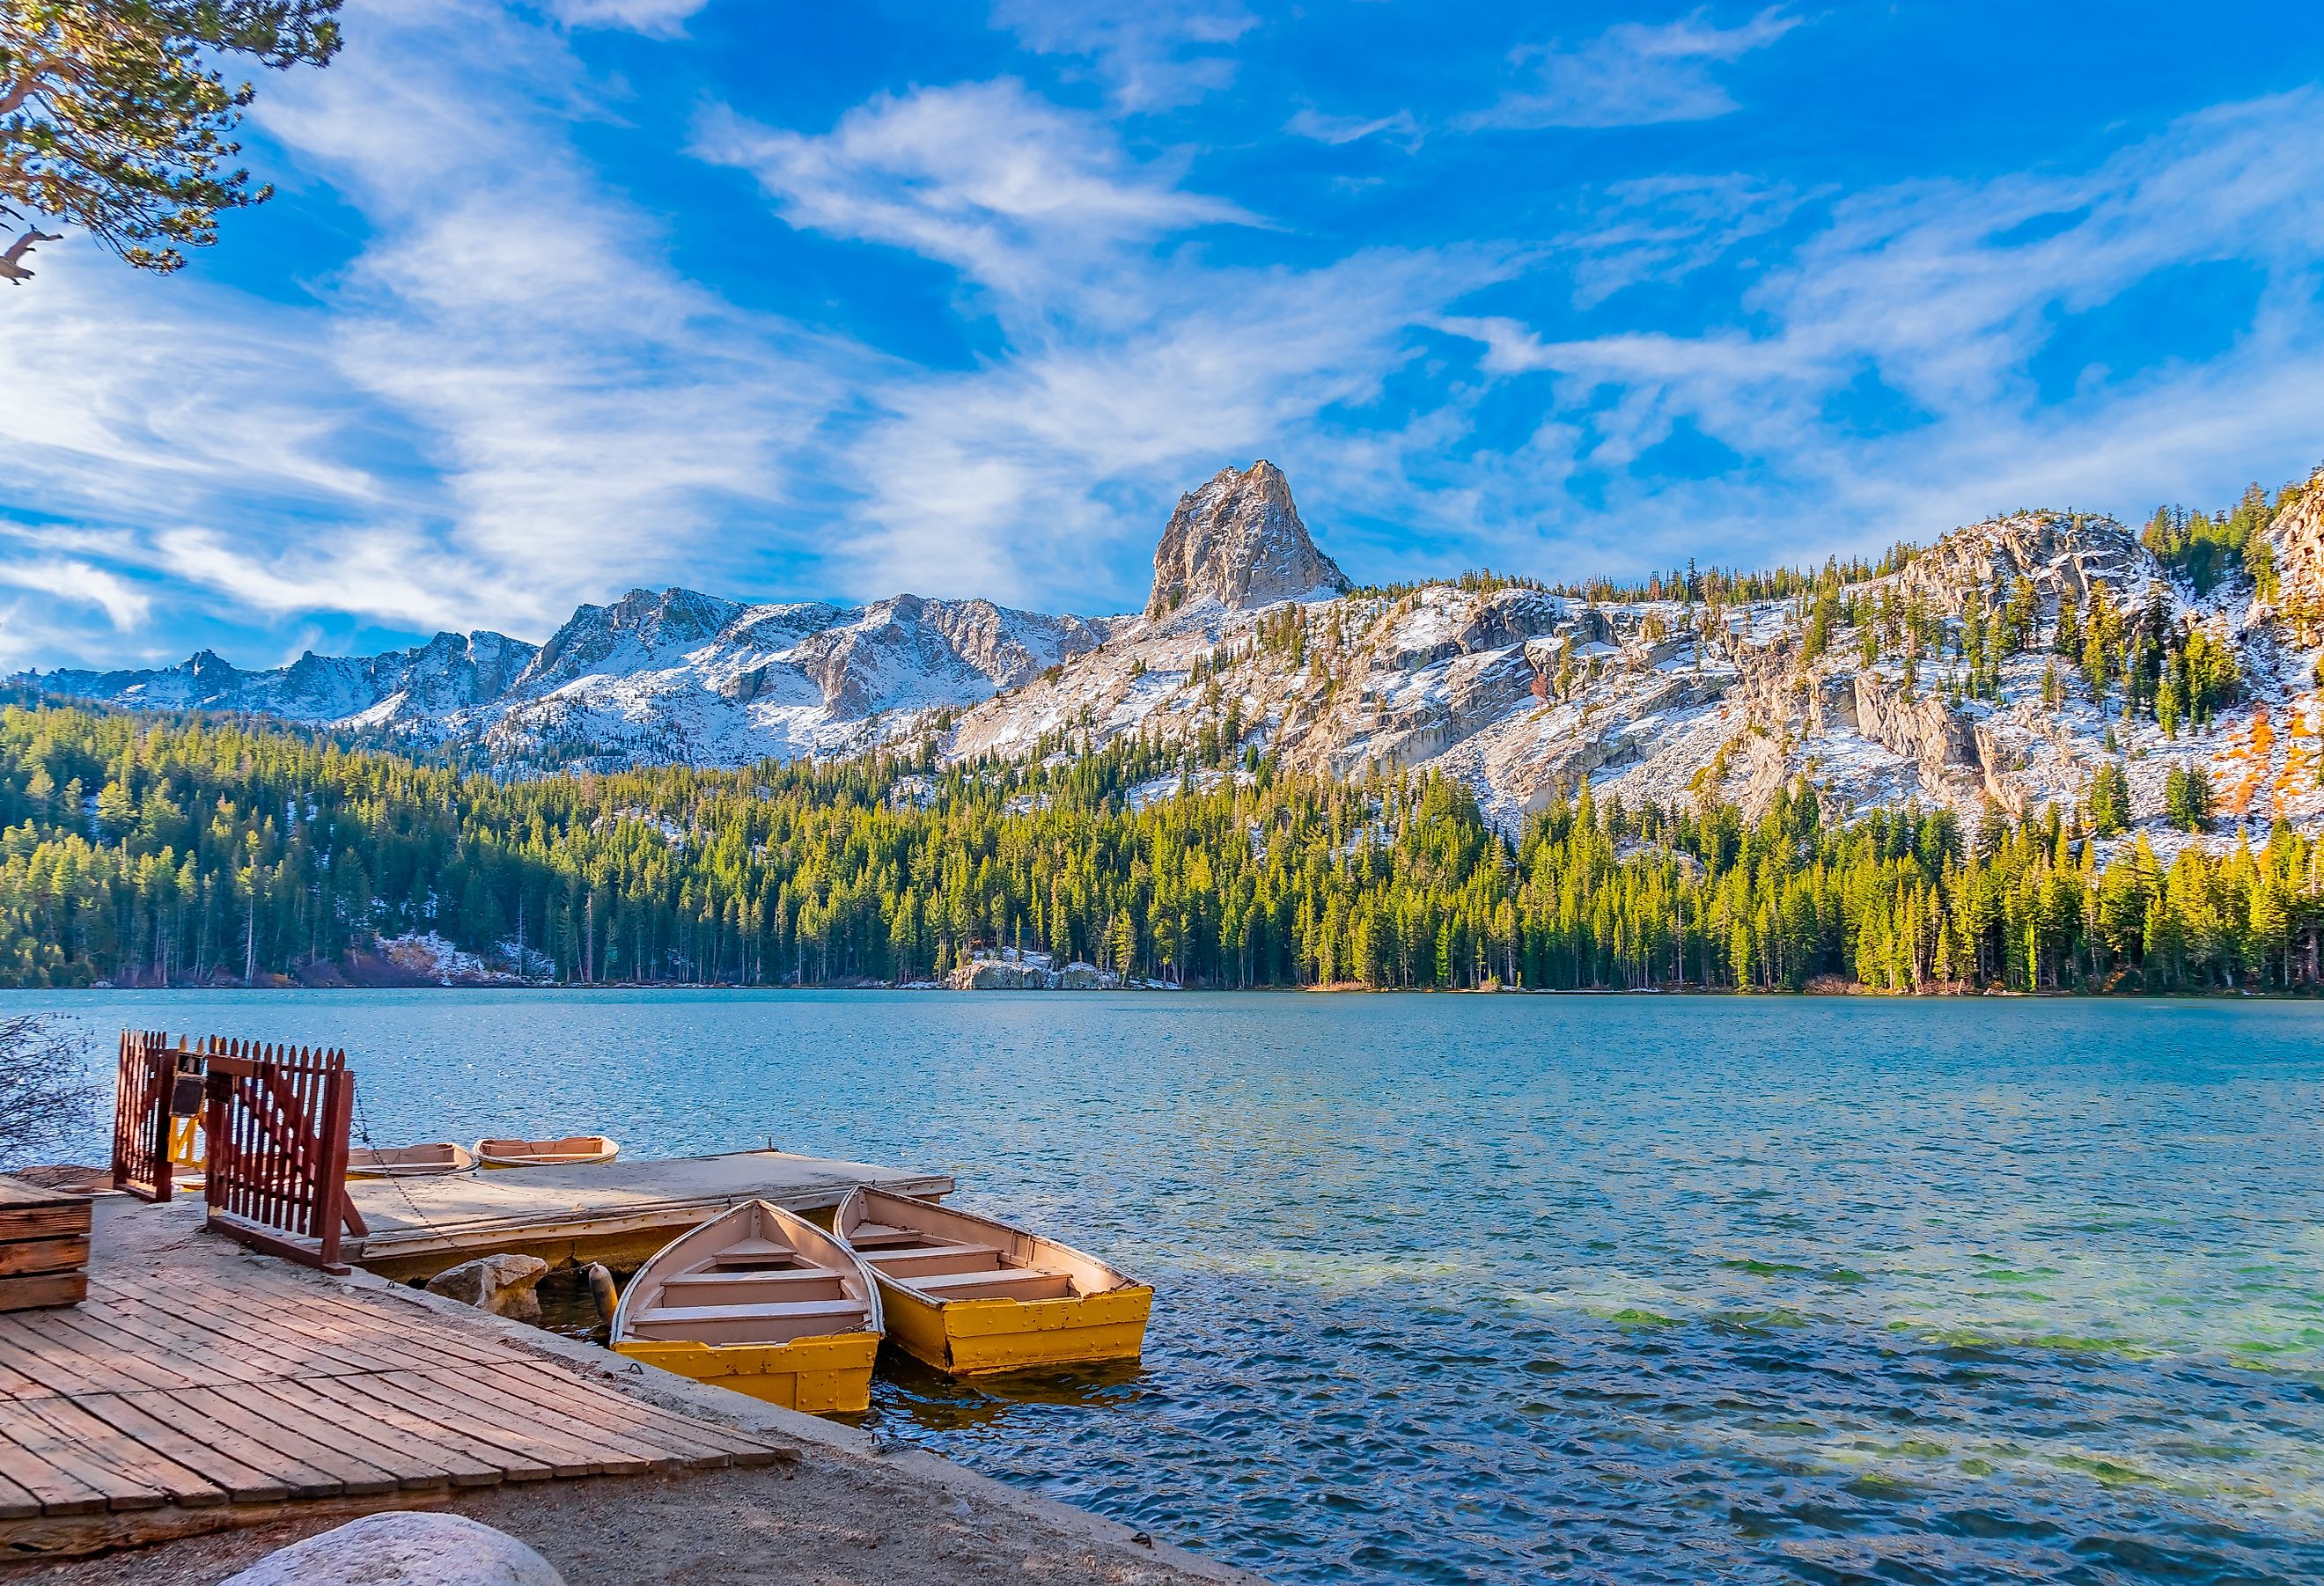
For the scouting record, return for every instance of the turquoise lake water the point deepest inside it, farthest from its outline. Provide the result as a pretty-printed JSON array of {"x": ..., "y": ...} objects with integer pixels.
[{"x": 1498, "y": 1289}]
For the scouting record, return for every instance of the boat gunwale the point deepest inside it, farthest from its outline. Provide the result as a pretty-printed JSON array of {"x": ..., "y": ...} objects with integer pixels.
[
  {"x": 874, "y": 1319},
  {"x": 463, "y": 1159},
  {"x": 610, "y": 1148}
]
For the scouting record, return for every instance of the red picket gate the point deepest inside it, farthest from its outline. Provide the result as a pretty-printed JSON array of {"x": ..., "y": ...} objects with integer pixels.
[
  {"x": 156, "y": 1094},
  {"x": 277, "y": 1126}
]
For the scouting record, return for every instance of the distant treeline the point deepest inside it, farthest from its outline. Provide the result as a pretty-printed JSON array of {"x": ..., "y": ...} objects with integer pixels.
[{"x": 174, "y": 852}]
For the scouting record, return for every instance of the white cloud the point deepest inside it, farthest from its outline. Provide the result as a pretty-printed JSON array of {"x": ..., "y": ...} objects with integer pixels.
[
  {"x": 985, "y": 176},
  {"x": 1664, "y": 228},
  {"x": 508, "y": 401},
  {"x": 1315, "y": 125},
  {"x": 1012, "y": 476},
  {"x": 662, "y": 19},
  {"x": 125, "y": 607},
  {"x": 1637, "y": 74},
  {"x": 1150, "y": 55},
  {"x": 1132, "y": 369},
  {"x": 1947, "y": 294}
]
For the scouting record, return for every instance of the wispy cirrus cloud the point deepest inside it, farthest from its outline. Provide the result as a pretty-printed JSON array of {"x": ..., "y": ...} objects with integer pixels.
[
  {"x": 661, "y": 19},
  {"x": 1401, "y": 128},
  {"x": 1635, "y": 74},
  {"x": 1131, "y": 366},
  {"x": 124, "y": 605},
  {"x": 504, "y": 402},
  {"x": 988, "y": 177},
  {"x": 1150, "y": 56},
  {"x": 1949, "y": 296},
  {"x": 1664, "y": 228}
]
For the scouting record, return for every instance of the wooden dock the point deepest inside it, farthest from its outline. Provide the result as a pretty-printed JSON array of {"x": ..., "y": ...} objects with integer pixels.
[
  {"x": 198, "y": 1388},
  {"x": 619, "y": 1213}
]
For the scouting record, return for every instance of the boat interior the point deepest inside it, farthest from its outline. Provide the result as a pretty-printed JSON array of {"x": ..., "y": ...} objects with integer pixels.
[
  {"x": 948, "y": 1254},
  {"x": 753, "y": 1276},
  {"x": 396, "y": 1161},
  {"x": 571, "y": 1148}
]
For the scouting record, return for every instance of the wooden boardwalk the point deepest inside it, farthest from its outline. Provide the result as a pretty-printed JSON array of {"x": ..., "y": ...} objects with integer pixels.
[{"x": 196, "y": 1378}]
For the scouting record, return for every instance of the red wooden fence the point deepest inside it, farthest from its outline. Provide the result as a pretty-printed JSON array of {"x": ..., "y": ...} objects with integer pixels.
[
  {"x": 150, "y": 1094},
  {"x": 277, "y": 1126}
]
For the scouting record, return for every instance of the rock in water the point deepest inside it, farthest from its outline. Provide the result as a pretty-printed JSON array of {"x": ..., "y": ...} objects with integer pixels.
[
  {"x": 502, "y": 1285},
  {"x": 1239, "y": 540},
  {"x": 408, "y": 1549}
]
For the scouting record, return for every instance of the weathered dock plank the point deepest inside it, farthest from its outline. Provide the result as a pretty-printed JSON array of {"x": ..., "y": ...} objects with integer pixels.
[
  {"x": 197, "y": 1381},
  {"x": 618, "y": 1213}
]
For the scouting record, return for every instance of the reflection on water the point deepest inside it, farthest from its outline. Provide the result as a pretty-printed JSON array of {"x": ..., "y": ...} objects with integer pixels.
[
  {"x": 926, "y": 1401},
  {"x": 1622, "y": 1289}
]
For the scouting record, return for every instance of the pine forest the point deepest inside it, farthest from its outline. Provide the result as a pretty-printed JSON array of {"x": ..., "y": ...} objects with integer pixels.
[{"x": 145, "y": 851}]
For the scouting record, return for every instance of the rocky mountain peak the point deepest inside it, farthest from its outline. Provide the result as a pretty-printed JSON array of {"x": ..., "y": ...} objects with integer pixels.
[{"x": 1239, "y": 540}]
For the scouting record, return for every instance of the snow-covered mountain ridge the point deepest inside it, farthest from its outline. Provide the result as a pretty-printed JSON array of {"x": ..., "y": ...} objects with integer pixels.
[
  {"x": 1960, "y": 679},
  {"x": 675, "y": 676}
]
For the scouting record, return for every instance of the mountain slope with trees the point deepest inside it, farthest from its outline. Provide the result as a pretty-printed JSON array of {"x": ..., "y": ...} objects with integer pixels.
[
  {"x": 171, "y": 852},
  {"x": 2139, "y": 683}
]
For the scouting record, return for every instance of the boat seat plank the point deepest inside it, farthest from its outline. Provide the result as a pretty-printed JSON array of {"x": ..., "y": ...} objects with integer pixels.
[
  {"x": 767, "y": 1311},
  {"x": 866, "y": 1236},
  {"x": 930, "y": 1248},
  {"x": 913, "y": 1266},
  {"x": 791, "y": 1274},
  {"x": 1009, "y": 1283}
]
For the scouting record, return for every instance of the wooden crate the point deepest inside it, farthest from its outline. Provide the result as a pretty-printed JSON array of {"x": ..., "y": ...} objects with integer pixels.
[{"x": 43, "y": 1247}]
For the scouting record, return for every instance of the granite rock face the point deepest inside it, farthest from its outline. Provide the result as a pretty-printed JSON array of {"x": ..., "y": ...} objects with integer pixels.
[{"x": 1239, "y": 540}]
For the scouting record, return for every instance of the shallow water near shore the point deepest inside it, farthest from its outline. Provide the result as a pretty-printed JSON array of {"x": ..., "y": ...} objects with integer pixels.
[{"x": 1495, "y": 1289}]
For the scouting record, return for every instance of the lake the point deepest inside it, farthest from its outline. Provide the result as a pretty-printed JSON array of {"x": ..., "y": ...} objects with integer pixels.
[{"x": 1494, "y": 1290}]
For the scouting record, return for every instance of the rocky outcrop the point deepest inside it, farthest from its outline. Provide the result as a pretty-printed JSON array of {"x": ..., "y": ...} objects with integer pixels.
[
  {"x": 912, "y": 652},
  {"x": 1031, "y": 973},
  {"x": 2297, "y": 537},
  {"x": 502, "y": 1285},
  {"x": 2061, "y": 553},
  {"x": 1924, "y": 730},
  {"x": 1238, "y": 540},
  {"x": 640, "y": 629}
]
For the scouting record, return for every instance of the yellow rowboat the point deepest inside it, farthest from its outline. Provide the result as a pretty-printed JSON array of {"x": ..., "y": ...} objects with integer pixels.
[
  {"x": 411, "y": 1161},
  {"x": 762, "y": 1302},
  {"x": 568, "y": 1152},
  {"x": 968, "y": 1294}
]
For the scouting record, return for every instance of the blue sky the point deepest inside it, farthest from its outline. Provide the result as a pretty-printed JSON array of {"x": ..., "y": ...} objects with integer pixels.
[{"x": 782, "y": 300}]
